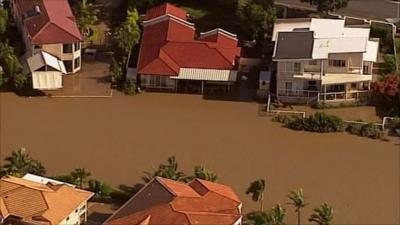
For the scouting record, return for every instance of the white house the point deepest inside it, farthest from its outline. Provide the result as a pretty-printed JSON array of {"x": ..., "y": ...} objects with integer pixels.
[{"x": 322, "y": 60}]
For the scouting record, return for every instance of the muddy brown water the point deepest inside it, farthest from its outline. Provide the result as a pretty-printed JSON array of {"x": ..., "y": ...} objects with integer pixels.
[{"x": 119, "y": 138}]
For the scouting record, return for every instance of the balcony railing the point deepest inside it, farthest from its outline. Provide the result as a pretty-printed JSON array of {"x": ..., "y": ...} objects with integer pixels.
[{"x": 343, "y": 96}]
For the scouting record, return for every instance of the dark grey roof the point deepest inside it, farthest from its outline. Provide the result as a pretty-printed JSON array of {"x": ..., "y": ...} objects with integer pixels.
[{"x": 294, "y": 45}]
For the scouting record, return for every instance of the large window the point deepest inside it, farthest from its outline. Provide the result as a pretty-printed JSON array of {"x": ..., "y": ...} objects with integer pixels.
[
  {"x": 297, "y": 67},
  {"x": 77, "y": 46},
  {"x": 77, "y": 62},
  {"x": 158, "y": 81},
  {"x": 337, "y": 63},
  {"x": 67, "y": 48},
  {"x": 68, "y": 65}
]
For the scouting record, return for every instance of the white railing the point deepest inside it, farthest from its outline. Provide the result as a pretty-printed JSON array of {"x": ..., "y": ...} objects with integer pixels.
[
  {"x": 342, "y": 96},
  {"x": 297, "y": 93}
]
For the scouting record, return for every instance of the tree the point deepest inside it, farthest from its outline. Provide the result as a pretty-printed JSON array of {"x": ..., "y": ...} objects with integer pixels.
[
  {"x": 127, "y": 35},
  {"x": 257, "y": 18},
  {"x": 297, "y": 200},
  {"x": 389, "y": 86},
  {"x": 11, "y": 65},
  {"x": 326, "y": 6},
  {"x": 256, "y": 190},
  {"x": 202, "y": 173},
  {"x": 79, "y": 176},
  {"x": 3, "y": 20},
  {"x": 275, "y": 216},
  {"x": 389, "y": 65},
  {"x": 86, "y": 17},
  {"x": 21, "y": 163},
  {"x": 101, "y": 190},
  {"x": 322, "y": 215},
  {"x": 169, "y": 171}
]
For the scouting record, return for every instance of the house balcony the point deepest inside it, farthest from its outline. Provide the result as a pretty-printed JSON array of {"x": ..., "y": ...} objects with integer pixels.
[{"x": 335, "y": 78}]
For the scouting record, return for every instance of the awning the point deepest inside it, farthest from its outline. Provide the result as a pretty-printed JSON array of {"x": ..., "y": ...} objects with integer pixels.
[
  {"x": 308, "y": 76},
  {"x": 206, "y": 75},
  {"x": 47, "y": 80},
  {"x": 337, "y": 78},
  {"x": 42, "y": 59}
]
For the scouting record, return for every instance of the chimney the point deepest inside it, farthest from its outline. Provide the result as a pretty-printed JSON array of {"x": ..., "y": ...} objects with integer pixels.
[{"x": 37, "y": 9}]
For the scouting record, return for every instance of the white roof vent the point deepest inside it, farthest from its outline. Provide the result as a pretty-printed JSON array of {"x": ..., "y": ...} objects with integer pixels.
[{"x": 37, "y": 9}]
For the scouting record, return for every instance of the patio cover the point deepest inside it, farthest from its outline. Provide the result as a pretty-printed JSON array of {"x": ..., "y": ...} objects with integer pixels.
[
  {"x": 206, "y": 75},
  {"x": 337, "y": 78},
  {"x": 42, "y": 59}
]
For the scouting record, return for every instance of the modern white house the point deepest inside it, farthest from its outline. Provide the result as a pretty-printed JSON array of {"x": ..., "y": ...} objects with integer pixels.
[
  {"x": 322, "y": 61},
  {"x": 35, "y": 200}
]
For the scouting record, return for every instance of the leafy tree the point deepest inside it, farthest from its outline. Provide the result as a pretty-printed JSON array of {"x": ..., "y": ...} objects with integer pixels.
[
  {"x": 389, "y": 65},
  {"x": 256, "y": 190},
  {"x": 79, "y": 176},
  {"x": 322, "y": 215},
  {"x": 116, "y": 71},
  {"x": 297, "y": 200},
  {"x": 257, "y": 18},
  {"x": 9, "y": 61},
  {"x": 389, "y": 86},
  {"x": 127, "y": 35},
  {"x": 65, "y": 178},
  {"x": 20, "y": 81},
  {"x": 202, "y": 173},
  {"x": 86, "y": 17},
  {"x": 3, "y": 20},
  {"x": 326, "y": 6},
  {"x": 101, "y": 190},
  {"x": 256, "y": 218},
  {"x": 21, "y": 163},
  {"x": 169, "y": 171}
]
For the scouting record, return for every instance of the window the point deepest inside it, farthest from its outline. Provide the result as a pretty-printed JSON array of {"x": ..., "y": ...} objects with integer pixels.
[
  {"x": 297, "y": 67},
  {"x": 288, "y": 87},
  {"x": 158, "y": 81},
  {"x": 68, "y": 65},
  {"x": 312, "y": 85},
  {"x": 366, "y": 69},
  {"x": 37, "y": 47},
  {"x": 353, "y": 85},
  {"x": 67, "y": 48},
  {"x": 313, "y": 62},
  {"x": 337, "y": 63},
  {"x": 77, "y": 62},
  {"x": 77, "y": 46}
]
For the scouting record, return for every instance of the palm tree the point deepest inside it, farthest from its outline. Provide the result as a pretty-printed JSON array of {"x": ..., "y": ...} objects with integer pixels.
[
  {"x": 21, "y": 163},
  {"x": 256, "y": 189},
  {"x": 256, "y": 218},
  {"x": 202, "y": 173},
  {"x": 276, "y": 215},
  {"x": 79, "y": 176},
  {"x": 322, "y": 215},
  {"x": 101, "y": 190},
  {"x": 169, "y": 171},
  {"x": 297, "y": 198}
]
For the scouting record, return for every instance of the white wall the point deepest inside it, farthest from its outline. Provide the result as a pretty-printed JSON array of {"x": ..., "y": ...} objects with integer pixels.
[{"x": 74, "y": 217}]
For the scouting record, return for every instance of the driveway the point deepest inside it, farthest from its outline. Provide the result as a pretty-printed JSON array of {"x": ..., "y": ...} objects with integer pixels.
[{"x": 368, "y": 9}]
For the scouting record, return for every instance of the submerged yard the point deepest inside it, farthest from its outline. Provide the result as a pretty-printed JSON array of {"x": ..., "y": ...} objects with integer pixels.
[{"x": 119, "y": 138}]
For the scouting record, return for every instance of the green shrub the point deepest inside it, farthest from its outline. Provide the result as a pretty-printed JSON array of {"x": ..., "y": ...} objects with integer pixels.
[
  {"x": 102, "y": 191},
  {"x": 319, "y": 122},
  {"x": 19, "y": 81},
  {"x": 129, "y": 87},
  {"x": 282, "y": 119},
  {"x": 365, "y": 130}
]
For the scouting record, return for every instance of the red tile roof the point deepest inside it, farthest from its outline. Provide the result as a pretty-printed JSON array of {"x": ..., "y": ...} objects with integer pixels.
[
  {"x": 199, "y": 202},
  {"x": 55, "y": 22},
  {"x": 169, "y": 43}
]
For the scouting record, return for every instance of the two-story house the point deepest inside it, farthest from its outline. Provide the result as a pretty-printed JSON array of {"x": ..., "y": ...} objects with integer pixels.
[
  {"x": 322, "y": 60},
  {"x": 167, "y": 202},
  {"x": 34, "y": 200},
  {"x": 49, "y": 26}
]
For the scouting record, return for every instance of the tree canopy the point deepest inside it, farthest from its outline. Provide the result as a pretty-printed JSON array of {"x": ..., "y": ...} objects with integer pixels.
[
  {"x": 257, "y": 18},
  {"x": 322, "y": 215},
  {"x": 3, "y": 20},
  {"x": 256, "y": 190},
  {"x": 326, "y": 6},
  {"x": 86, "y": 17},
  {"x": 20, "y": 163}
]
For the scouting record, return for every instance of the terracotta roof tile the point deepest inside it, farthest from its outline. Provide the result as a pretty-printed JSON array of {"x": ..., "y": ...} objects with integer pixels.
[
  {"x": 40, "y": 203},
  {"x": 169, "y": 43},
  {"x": 190, "y": 206},
  {"x": 54, "y": 24}
]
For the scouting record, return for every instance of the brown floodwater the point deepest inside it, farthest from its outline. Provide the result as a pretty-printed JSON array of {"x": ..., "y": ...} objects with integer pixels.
[{"x": 119, "y": 138}]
